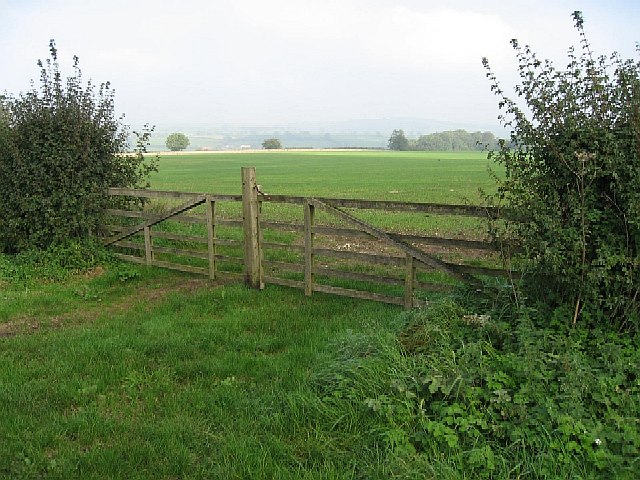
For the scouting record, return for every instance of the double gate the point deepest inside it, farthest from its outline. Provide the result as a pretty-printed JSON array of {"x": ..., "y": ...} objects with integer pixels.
[{"x": 259, "y": 238}]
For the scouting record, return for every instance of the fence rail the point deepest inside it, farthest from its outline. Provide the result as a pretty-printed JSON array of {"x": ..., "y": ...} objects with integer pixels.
[{"x": 311, "y": 259}]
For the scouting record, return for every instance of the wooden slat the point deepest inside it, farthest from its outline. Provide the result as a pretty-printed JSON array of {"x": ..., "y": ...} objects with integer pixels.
[
  {"x": 192, "y": 219},
  {"x": 361, "y": 257},
  {"x": 355, "y": 233},
  {"x": 177, "y": 237},
  {"x": 227, "y": 242},
  {"x": 284, "y": 282},
  {"x": 145, "y": 193},
  {"x": 229, "y": 258},
  {"x": 180, "y": 251},
  {"x": 434, "y": 208},
  {"x": 444, "y": 242},
  {"x": 181, "y": 268},
  {"x": 283, "y": 226},
  {"x": 129, "y": 258},
  {"x": 114, "y": 228},
  {"x": 228, "y": 222},
  {"x": 490, "y": 272},
  {"x": 347, "y": 292},
  {"x": 131, "y": 245},
  {"x": 182, "y": 208},
  {"x": 287, "y": 266},
  {"x": 364, "y": 277},
  {"x": 433, "y": 287},
  {"x": 283, "y": 246}
]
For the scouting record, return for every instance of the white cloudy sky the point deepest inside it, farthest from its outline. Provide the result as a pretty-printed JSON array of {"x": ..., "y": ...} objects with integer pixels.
[{"x": 288, "y": 61}]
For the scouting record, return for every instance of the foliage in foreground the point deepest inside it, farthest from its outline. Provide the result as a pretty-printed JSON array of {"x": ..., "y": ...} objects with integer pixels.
[
  {"x": 56, "y": 263},
  {"x": 462, "y": 396},
  {"x": 573, "y": 182},
  {"x": 61, "y": 147}
]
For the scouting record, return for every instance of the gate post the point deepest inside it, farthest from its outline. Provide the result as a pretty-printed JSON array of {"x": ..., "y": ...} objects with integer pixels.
[
  {"x": 251, "y": 225},
  {"x": 409, "y": 281},
  {"x": 309, "y": 213},
  {"x": 211, "y": 237}
]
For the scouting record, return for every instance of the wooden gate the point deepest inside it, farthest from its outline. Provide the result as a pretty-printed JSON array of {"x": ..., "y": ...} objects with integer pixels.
[{"x": 244, "y": 240}]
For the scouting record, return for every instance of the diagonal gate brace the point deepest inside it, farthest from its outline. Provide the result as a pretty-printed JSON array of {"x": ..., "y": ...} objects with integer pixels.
[
  {"x": 176, "y": 211},
  {"x": 380, "y": 235}
]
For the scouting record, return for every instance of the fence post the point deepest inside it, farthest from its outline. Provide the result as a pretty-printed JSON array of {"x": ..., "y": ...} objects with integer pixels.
[
  {"x": 409, "y": 281},
  {"x": 309, "y": 212},
  {"x": 211, "y": 246},
  {"x": 148, "y": 246},
  {"x": 251, "y": 226}
]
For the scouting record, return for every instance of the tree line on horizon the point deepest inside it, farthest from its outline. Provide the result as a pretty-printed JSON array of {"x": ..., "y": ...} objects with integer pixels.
[{"x": 451, "y": 140}]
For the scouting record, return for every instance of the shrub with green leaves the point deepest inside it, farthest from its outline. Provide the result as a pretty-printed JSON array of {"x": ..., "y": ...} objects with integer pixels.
[
  {"x": 459, "y": 395},
  {"x": 573, "y": 181},
  {"x": 61, "y": 146}
]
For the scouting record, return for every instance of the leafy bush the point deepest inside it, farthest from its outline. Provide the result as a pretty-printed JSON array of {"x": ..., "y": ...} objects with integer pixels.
[
  {"x": 458, "y": 395},
  {"x": 573, "y": 182},
  {"x": 60, "y": 147},
  {"x": 56, "y": 262}
]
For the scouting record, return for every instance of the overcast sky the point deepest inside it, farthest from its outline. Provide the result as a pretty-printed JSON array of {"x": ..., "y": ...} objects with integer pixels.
[{"x": 287, "y": 61}]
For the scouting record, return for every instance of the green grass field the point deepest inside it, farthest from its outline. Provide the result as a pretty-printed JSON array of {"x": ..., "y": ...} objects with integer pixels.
[
  {"x": 122, "y": 371},
  {"x": 439, "y": 177},
  {"x": 132, "y": 372}
]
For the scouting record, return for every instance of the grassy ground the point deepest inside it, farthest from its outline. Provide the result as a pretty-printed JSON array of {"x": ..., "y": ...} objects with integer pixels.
[
  {"x": 137, "y": 373},
  {"x": 128, "y": 372}
]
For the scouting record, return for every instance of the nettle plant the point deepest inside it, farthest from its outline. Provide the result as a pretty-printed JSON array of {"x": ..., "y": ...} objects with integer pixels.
[
  {"x": 573, "y": 182},
  {"x": 61, "y": 146}
]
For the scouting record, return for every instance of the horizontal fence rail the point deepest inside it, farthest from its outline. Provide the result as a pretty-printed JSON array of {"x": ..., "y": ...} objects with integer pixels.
[{"x": 343, "y": 254}]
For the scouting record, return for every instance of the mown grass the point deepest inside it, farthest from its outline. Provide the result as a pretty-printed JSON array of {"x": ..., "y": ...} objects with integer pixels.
[
  {"x": 440, "y": 177},
  {"x": 199, "y": 383},
  {"x": 159, "y": 375},
  {"x": 128, "y": 372}
]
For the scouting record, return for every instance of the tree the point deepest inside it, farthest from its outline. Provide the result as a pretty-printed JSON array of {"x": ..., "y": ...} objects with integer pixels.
[
  {"x": 573, "y": 182},
  {"x": 398, "y": 141},
  {"x": 60, "y": 148},
  {"x": 272, "y": 144},
  {"x": 177, "y": 141}
]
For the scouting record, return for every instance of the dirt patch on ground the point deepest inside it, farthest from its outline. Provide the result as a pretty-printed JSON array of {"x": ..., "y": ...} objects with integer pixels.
[{"x": 147, "y": 294}]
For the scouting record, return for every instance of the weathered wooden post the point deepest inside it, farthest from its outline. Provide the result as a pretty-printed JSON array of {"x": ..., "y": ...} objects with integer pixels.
[
  {"x": 409, "y": 281},
  {"x": 211, "y": 237},
  {"x": 309, "y": 212},
  {"x": 251, "y": 224},
  {"x": 148, "y": 246}
]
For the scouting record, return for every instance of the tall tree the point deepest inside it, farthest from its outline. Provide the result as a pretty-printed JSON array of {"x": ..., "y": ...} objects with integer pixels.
[{"x": 398, "y": 140}]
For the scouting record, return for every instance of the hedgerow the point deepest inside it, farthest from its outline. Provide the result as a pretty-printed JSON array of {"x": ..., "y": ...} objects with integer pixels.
[
  {"x": 61, "y": 146},
  {"x": 573, "y": 183}
]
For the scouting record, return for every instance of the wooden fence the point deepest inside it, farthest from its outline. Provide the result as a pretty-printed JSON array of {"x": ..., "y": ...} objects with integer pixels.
[{"x": 340, "y": 253}]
